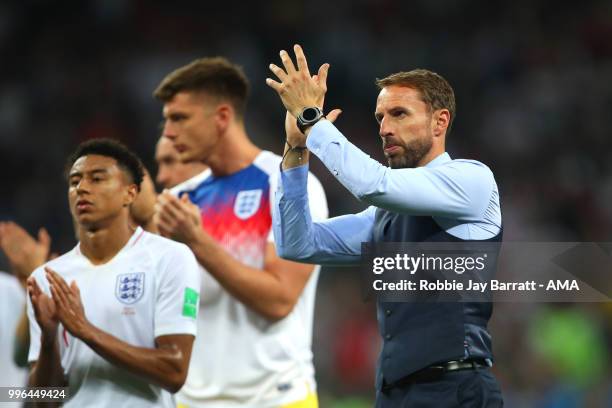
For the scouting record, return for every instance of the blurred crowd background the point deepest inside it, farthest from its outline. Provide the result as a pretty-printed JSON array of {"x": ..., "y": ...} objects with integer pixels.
[{"x": 533, "y": 82}]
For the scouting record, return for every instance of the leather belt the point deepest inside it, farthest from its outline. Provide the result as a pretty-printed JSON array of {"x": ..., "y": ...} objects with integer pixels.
[{"x": 436, "y": 371}]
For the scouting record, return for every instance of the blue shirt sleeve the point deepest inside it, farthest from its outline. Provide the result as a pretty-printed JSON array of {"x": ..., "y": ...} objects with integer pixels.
[
  {"x": 336, "y": 241},
  {"x": 457, "y": 189}
]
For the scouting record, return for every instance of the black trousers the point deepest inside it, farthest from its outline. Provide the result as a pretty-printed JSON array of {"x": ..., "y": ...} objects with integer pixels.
[{"x": 464, "y": 388}]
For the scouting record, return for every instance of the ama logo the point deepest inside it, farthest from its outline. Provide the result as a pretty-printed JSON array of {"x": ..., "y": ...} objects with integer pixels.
[{"x": 130, "y": 287}]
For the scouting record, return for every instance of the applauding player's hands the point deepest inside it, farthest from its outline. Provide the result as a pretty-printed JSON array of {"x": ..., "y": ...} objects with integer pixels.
[
  {"x": 178, "y": 219},
  {"x": 68, "y": 306},
  {"x": 24, "y": 252},
  {"x": 44, "y": 310}
]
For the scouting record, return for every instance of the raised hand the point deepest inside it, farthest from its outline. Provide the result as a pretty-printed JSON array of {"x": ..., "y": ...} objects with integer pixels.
[
  {"x": 23, "y": 251},
  {"x": 297, "y": 88},
  {"x": 178, "y": 219},
  {"x": 44, "y": 309},
  {"x": 68, "y": 306},
  {"x": 294, "y": 136}
]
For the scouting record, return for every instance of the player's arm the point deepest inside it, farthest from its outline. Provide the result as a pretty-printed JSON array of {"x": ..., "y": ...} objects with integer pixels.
[
  {"x": 271, "y": 292},
  {"x": 165, "y": 365},
  {"x": 22, "y": 341},
  {"x": 47, "y": 370}
]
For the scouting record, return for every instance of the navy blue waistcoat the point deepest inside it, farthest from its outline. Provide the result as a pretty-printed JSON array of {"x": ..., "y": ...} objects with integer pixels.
[{"x": 417, "y": 335}]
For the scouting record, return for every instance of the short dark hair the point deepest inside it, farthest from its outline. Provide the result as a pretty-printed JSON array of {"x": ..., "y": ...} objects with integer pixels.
[
  {"x": 215, "y": 76},
  {"x": 126, "y": 159},
  {"x": 435, "y": 91}
]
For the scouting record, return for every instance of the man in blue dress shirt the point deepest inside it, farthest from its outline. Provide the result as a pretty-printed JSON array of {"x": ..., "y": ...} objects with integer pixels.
[{"x": 434, "y": 354}]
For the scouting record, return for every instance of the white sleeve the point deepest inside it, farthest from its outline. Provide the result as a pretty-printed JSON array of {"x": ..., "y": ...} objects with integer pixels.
[
  {"x": 317, "y": 201},
  {"x": 178, "y": 293},
  {"x": 34, "y": 327}
]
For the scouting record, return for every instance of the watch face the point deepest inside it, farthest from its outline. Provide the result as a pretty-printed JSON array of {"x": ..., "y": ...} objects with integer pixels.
[
  {"x": 309, "y": 114},
  {"x": 308, "y": 117}
]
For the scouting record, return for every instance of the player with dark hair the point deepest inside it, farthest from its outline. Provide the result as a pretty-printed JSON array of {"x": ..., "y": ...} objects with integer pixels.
[
  {"x": 124, "y": 158},
  {"x": 113, "y": 319}
]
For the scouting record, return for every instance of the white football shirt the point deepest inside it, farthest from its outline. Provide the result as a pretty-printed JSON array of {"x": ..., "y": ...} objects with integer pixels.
[
  {"x": 242, "y": 359},
  {"x": 12, "y": 305},
  {"x": 149, "y": 289}
]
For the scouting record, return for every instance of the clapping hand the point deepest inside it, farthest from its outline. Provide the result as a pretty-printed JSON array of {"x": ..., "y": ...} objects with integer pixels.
[
  {"x": 68, "y": 306},
  {"x": 44, "y": 309},
  {"x": 24, "y": 252},
  {"x": 298, "y": 90},
  {"x": 178, "y": 219}
]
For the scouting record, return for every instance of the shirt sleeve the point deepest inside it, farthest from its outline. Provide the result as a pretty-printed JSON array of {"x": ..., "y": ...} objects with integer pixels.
[
  {"x": 317, "y": 201},
  {"x": 336, "y": 241},
  {"x": 459, "y": 189},
  {"x": 178, "y": 293},
  {"x": 35, "y": 331}
]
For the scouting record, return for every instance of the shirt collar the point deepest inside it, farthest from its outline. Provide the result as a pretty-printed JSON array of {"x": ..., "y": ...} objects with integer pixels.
[
  {"x": 190, "y": 184},
  {"x": 136, "y": 235},
  {"x": 440, "y": 159}
]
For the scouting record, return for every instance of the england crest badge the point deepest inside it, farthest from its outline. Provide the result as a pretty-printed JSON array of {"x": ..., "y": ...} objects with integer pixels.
[
  {"x": 247, "y": 203},
  {"x": 130, "y": 287}
]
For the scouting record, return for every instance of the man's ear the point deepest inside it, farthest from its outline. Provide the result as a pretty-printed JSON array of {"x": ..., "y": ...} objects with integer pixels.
[
  {"x": 224, "y": 115},
  {"x": 131, "y": 194},
  {"x": 440, "y": 121}
]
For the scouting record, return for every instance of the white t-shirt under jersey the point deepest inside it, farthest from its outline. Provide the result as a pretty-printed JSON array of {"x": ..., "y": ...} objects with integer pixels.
[
  {"x": 149, "y": 289},
  {"x": 242, "y": 359}
]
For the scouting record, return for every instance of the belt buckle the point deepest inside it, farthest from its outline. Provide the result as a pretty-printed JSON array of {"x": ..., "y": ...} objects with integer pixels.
[{"x": 453, "y": 365}]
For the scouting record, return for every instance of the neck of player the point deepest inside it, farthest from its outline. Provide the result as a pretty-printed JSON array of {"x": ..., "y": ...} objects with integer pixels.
[
  {"x": 101, "y": 244},
  {"x": 234, "y": 152}
]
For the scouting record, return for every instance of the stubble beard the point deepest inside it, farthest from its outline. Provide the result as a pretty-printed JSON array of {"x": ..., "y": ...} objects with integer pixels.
[{"x": 412, "y": 155}]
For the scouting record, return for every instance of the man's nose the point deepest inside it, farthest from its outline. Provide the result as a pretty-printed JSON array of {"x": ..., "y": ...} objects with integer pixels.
[
  {"x": 169, "y": 131},
  {"x": 82, "y": 186},
  {"x": 162, "y": 178},
  {"x": 384, "y": 129}
]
